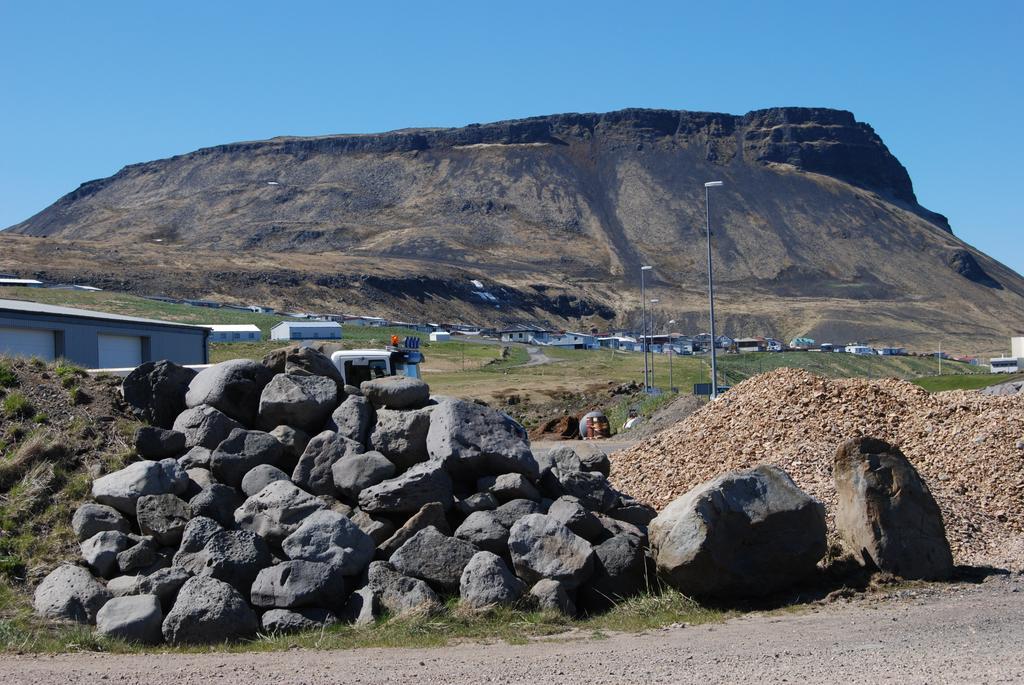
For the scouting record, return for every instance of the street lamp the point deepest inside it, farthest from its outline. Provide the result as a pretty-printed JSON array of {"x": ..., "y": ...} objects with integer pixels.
[
  {"x": 643, "y": 322},
  {"x": 671, "y": 353},
  {"x": 711, "y": 285},
  {"x": 654, "y": 331}
]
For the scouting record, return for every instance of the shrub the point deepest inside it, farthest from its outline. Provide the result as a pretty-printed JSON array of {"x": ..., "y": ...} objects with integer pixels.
[
  {"x": 8, "y": 379},
  {"x": 16, "y": 405}
]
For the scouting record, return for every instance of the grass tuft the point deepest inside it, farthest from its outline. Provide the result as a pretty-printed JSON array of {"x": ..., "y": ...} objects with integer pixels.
[{"x": 17, "y": 406}]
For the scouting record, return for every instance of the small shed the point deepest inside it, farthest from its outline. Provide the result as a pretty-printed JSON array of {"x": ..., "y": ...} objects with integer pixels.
[
  {"x": 233, "y": 333},
  {"x": 440, "y": 336},
  {"x": 306, "y": 330}
]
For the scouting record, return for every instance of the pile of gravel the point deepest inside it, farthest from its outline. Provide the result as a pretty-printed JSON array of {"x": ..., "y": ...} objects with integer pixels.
[
  {"x": 969, "y": 448},
  {"x": 271, "y": 496}
]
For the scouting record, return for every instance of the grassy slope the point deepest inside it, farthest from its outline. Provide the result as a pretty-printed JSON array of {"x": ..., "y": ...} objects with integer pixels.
[{"x": 975, "y": 382}]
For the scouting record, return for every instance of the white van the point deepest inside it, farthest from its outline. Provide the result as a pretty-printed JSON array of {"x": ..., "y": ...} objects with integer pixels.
[{"x": 1004, "y": 365}]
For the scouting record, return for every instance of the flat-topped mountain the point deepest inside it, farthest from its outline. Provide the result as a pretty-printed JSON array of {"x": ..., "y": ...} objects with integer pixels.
[{"x": 817, "y": 229}]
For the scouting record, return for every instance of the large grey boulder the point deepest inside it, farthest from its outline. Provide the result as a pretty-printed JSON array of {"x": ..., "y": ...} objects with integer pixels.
[
  {"x": 401, "y": 436},
  {"x": 242, "y": 451},
  {"x": 233, "y": 387},
  {"x": 134, "y": 618},
  {"x": 328, "y": 537},
  {"x": 218, "y": 502},
  {"x": 209, "y": 611},
  {"x": 139, "y": 556},
  {"x": 294, "y": 443},
  {"x": 551, "y": 595},
  {"x": 313, "y": 472},
  {"x": 378, "y": 528},
  {"x": 362, "y": 608},
  {"x": 591, "y": 488},
  {"x": 197, "y": 457},
  {"x": 155, "y": 391},
  {"x": 233, "y": 556},
  {"x": 308, "y": 361},
  {"x": 563, "y": 458},
  {"x": 885, "y": 513},
  {"x": 632, "y": 511},
  {"x": 164, "y": 583},
  {"x": 407, "y": 493},
  {"x": 277, "y": 621},
  {"x": 91, "y": 518},
  {"x": 510, "y": 512},
  {"x": 296, "y": 584},
  {"x": 620, "y": 571},
  {"x": 122, "y": 489},
  {"x": 153, "y": 442},
  {"x": 745, "y": 533},
  {"x": 542, "y": 547},
  {"x": 487, "y": 581},
  {"x": 483, "y": 530},
  {"x": 434, "y": 557},
  {"x": 396, "y": 392},
  {"x": 301, "y": 401},
  {"x": 596, "y": 461},
  {"x": 576, "y": 517},
  {"x": 353, "y": 419},
  {"x": 101, "y": 550},
  {"x": 430, "y": 514},
  {"x": 277, "y": 511},
  {"x": 121, "y": 586},
  {"x": 357, "y": 471},
  {"x": 474, "y": 440},
  {"x": 399, "y": 593},
  {"x": 205, "y": 426},
  {"x": 70, "y": 593},
  {"x": 260, "y": 477},
  {"x": 164, "y": 517},
  {"x": 478, "y": 501},
  {"x": 508, "y": 486},
  {"x": 197, "y": 533}
]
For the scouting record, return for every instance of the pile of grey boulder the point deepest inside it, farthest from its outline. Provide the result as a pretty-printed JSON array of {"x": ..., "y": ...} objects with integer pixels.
[{"x": 270, "y": 496}]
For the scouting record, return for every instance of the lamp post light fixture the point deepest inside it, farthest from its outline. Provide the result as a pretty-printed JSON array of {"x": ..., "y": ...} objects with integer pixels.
[
  {"x": 643, "y": 323},
  {"x": 711, "y": 285},
  {"x": 654, "y": 329}
]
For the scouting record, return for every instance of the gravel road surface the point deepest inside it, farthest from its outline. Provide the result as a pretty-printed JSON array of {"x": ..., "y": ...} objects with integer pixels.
[{"x": 954, "y": 634}]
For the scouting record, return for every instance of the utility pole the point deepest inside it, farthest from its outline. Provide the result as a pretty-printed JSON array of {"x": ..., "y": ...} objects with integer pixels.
[
  {"x": 643, "y": 325},
  {"x": 711, "y": 286},
  {"x": 671, "y": 353},
  {"x": 654, "y": 328}
]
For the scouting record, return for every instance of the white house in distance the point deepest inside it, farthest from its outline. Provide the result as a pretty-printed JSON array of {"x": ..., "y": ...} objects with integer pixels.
[
  {"x": 232, "y": 333},
  {"x": 440, "y": 336},
  {"x": 306, "y": 330},
  {"x": 574, "y": 341}
]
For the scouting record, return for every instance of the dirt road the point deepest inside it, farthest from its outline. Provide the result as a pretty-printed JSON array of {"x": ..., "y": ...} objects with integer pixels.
[{"x": 966, "y": 633}]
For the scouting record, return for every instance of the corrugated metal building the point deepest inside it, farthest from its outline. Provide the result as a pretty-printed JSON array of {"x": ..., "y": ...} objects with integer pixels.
[
  {"x": 231, "y": 332},
  {"x": 306, "y": 330},
  {"x": 96, "y": 340}
]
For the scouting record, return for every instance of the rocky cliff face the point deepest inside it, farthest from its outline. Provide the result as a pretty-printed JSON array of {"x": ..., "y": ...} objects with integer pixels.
[{"x": 814, "y": 206}]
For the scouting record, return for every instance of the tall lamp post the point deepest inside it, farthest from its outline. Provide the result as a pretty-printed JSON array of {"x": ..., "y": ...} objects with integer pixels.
[
  {"x": 643, "y": 324},
  {"x": 671, "y": 353},
  {"x": 711, "y": 285},
  {"x": 654, "y": 331}
]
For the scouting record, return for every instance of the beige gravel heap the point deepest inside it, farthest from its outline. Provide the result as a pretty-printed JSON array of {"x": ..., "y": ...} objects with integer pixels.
[{"x": 969, "y": 448}]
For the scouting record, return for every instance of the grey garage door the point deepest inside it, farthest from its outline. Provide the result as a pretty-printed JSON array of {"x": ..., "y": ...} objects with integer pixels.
[
  {"x": 28, "y": 342},
  {"x": 119, "y": 351}
]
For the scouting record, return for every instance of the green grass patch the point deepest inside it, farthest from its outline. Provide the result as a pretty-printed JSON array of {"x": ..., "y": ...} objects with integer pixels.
[
  {"x": 21, "y": 630},
  {"x": 8, "y": 379},
  {"x": 964, "y": 382},
  {"x": 16, "y": 406}
]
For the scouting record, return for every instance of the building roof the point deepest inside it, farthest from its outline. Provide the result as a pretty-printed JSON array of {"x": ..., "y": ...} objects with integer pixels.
[
  {"x": 309, "y": 324},
  {"x": 19, "y": 281},
  {"x": 53, "y": 310},
  {"x": 233, "y": 327}
]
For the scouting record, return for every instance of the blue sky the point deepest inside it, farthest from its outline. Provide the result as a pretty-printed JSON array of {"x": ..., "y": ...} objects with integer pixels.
[{"x": 86, "y": 88}]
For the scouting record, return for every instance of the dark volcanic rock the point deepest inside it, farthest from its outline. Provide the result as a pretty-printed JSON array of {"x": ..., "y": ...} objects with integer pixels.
[
  {"x": 885, "y": 513},
  {"x": 745, "y": 533},
  {"x": 155, "y": 391}
]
